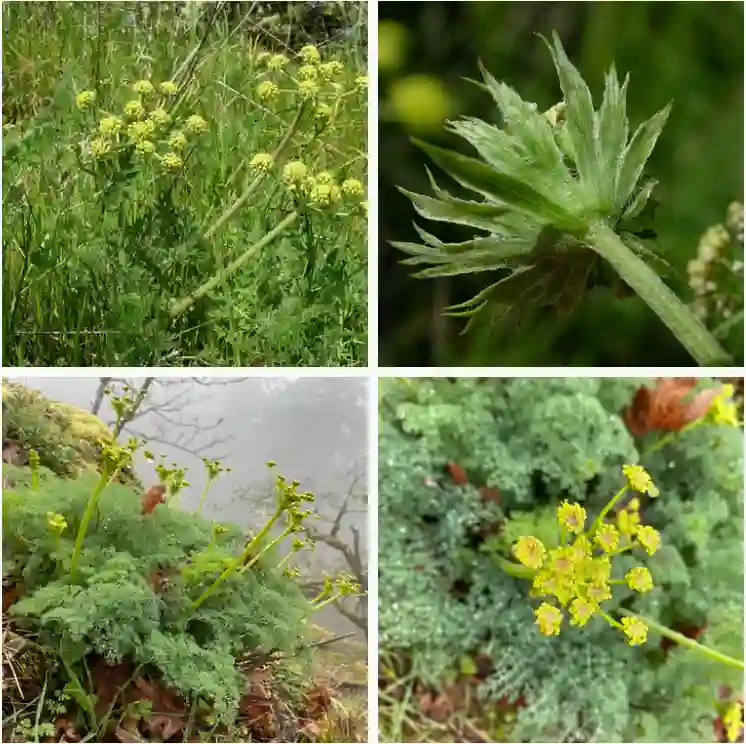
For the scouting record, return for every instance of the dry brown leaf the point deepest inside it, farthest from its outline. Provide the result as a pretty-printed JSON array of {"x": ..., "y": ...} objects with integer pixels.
[
  {"x": 152, "y": 498},
  {"x": 66, "y": 730},
  {"x": 668, "y": 407},
  {"x": 457, "y": 473}
]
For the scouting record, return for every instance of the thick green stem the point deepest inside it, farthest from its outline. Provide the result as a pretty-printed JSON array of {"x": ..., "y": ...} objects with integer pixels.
[
  {"x": 239, "y": 561},
  {"x": 223, "y": 276},
  {"x": 687, "y": 642},
  {"x": 679, "y": 319},
  {"x": 104, "y": 481}
]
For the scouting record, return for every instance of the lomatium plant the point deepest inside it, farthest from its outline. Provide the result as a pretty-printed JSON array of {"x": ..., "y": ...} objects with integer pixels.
[
  {"x": 576, "y": 578},
  {"x": 562, "y": 195}
]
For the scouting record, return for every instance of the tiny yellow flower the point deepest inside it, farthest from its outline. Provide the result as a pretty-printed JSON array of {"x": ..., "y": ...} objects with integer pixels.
[
  {"x": 649, "y": 538},
  {"x": 635, "y": 630},
  {"x": 309, "y": 54},
  {"x": 571, "y": 517},
  {"x": 548, "y": 618},
  {"x": 294, "y": 171},
  {"x": 277, "y": 61},
  {"x": 267, "y": 91},
  {"x": 172, "y": 161},
  {"x": 100, "y": 146},
  {"x": 134, "y": 109},
  {"x": 639, "y": 579},
  {"x": 308, "y": 72},
  {"x": 330, "y": 69},
  {"x": 530, "y": 551},
  {"x": 85, "y": 98},
  {"x": 110, "y": 125},
  {"x": 167, "y": 87},
  {"x": 177, "y": 141},
  {"x": 634, "y": 504},
  {"x": 639, "y": 480},
  {"x": 262, "y": 57},
  {"x": 262, "y": 161},
  {"x": 732, "y": 720},
  {"x": 353, "y": 187},
  {"x": 143, "y": 87},
  {"x": 308, "y": 88},
  {"x": 582, "y": 611},
  {"x": 56, "y": 522},
  {"x": 628, "y": 522},
  {"x": 364, "y": 205},
  {"x": 145, "y": 147},
  {"x": 324, "y": 177},
  {"x": 361, "y": 81},
  {"x": 321, "y": 195},
  {"x": 160, "y": 116},
  {"x": 596, "y": 593},
  {"x": 336, "y": 193},
  {"x": 580, "y": 549},
  {"x": 195, "y": 124},
  {"x": 607, "y": 537},
  {"x": 140, "y": 130},
  {"x": 722, "y": 409}
]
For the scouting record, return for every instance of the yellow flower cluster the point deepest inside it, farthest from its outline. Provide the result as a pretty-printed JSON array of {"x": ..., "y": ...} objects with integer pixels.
[
  {"x": 309, "y": 79},
  {"x": 575, "y": 577},
  {"x": 733, "y": 720},
  {"x": 722, "y": 409},
  {"x": 145, "y": 125}
]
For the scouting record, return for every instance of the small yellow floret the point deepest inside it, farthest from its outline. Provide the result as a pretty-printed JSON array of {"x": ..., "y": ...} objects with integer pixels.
[
  {"x": 548, "y": 618},
  {"x": 530, "y": 551},
  {"x": 638, "y": 479},
  {"x": 571, "y": 517},
  {"x": 635, "y": 630}
]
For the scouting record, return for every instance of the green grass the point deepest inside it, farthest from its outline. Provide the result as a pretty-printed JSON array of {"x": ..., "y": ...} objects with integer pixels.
[{"x": 119, "y": 261}]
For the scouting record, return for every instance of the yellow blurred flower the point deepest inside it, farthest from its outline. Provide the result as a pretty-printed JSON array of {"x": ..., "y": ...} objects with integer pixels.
[
  {"x": 110, "y": 125},
  {"x": 571, "y": 517},
  {"x": 635, "y": 630},
  {"x": 85, "y": 98},
  {"x": 308, "y": 88},
  {"x": 267, "y": 91},
  {"x": 160, "y": 116},
  {"x": 168, "y": 87},
  {"x": 172, "y": 161},
  {"x": 548, "y": 618},
  {"x": 100, "y": 146},
  {"x": 530, "y": 551},
  {"x": 649, "y": 538},
  {"x": 294, "y": 171},
  {"x": 638, "y": 479},
  {"x": 145, "y": 147},
  {"x": 177, "y": 141},
  {"x": 420, "y": 102},
  {"x": 308, "y": 72},
  {"x": 134, "y": 109},
  {"x": 195, "y": 124},
  {"x": 392, "y": 45},
  {"x": 309, "y": 54},
  {"x": 352, "y": 187},
  {"x": 143, "y": 87},
  {"x": 262, "y": 161},
  {"x": 277, "y": 61},
  {"x": 639, "y": 579}
]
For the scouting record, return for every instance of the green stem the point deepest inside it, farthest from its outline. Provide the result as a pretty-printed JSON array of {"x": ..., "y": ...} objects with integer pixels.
[
  {"x": 90, "y": 508},
  {"x": 333, "y": 598},
  {"x": 679, "y": 319},
  {"x": 600, "y": 518},
  {"x": 687, "y": 642},
  {"x": 516, "y": 570},
  {"x": 204, "y": 495},
  {"x": 222, "y": 276},
  {"x": 239, "y": 561}
]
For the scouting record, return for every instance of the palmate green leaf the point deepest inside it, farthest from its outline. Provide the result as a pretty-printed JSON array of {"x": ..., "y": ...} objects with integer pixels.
[
  {"x": 580, "y": 120},
  {"x": 537, "y": 136},
  {"x": 500, "y": 188},
  {"x": 637, "y": 153},
  {"x": 613, "y": 130}
]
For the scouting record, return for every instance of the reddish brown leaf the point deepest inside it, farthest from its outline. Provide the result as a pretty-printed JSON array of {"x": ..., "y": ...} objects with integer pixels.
[
  {"x": 66, "y": 730},
  {"x": 669, "y": 406},
  {"x": 457, "y": 473},
  {"x": 11, "y": 594},
  {"x": 152, "y": 498},
  {"x": 488, "y": 493}
]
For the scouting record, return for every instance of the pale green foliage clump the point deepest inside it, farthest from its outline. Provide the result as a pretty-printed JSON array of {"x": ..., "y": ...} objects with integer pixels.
[
  {"x": 540, "y": 442},
  {"x": 113, "y": 607}
]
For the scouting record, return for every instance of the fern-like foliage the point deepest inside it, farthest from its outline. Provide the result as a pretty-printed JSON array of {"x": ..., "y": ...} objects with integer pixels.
[
  {"x": 133, "y": 590},
  {"x": 540, "y": 441}
]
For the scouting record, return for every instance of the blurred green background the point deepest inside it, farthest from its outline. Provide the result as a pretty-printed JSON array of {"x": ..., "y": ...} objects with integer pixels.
[{"x": 688, "y": 52}]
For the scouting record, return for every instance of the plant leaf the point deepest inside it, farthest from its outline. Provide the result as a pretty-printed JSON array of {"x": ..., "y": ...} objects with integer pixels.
[
  {"x": 637, "y": 154},
  {"x": 639, "y": 201},
  {"x": 479, "y": 215},
  {"x": 613, "y": 130},
  {"x": 504, "y": 190},
  {"x": 580, "y": 122}
]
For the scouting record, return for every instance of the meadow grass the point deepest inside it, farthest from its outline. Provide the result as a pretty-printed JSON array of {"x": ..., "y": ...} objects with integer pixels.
[{"x": 114, "y": 255}]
